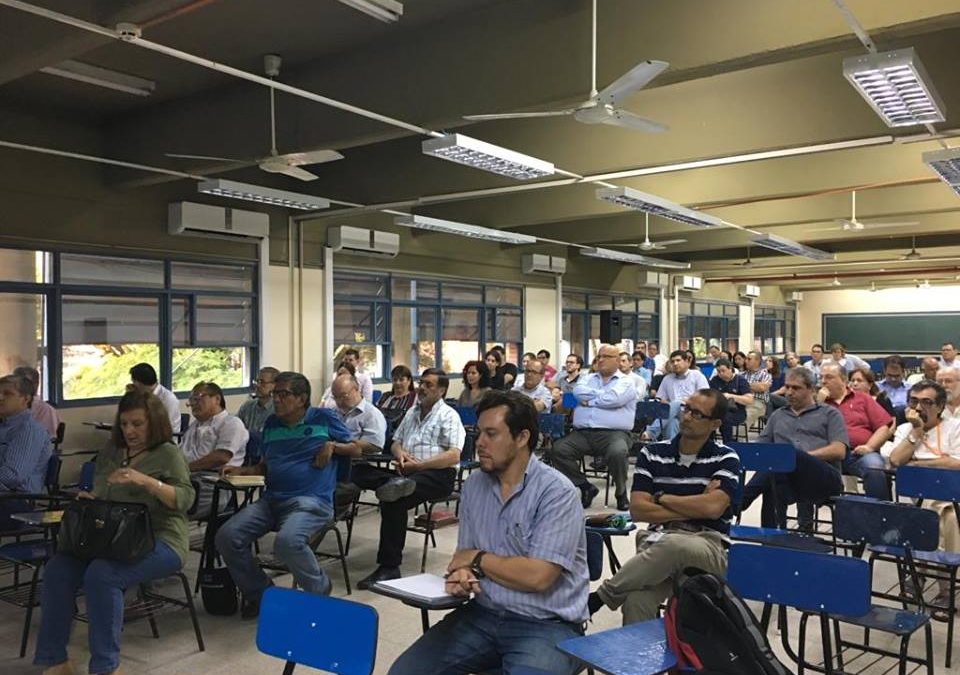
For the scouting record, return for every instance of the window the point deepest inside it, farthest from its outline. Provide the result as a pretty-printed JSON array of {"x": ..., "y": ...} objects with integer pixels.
[
  {"x": 774, "y": 330},
  {"x": 423, "y": 323},
  {"x": 704, "y": 324},
  {"x": 640, "y": 321},
  {"x": 111, "y": 312}
]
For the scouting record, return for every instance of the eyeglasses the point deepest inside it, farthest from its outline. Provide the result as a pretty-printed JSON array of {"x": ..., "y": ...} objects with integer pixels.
[
  {"x": 533, "y": 371},
  {"x": 694, "y": 413},
  {"x": 262, "y": 381},
  {"x": 195, "y": 398},
  {"x": 281, "y": 393},
  {"x": 925, "y": 402}
]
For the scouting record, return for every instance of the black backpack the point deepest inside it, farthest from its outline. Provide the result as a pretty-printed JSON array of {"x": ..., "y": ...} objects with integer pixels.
[
  {"x": 710, "y": 628},
  {"x": 218, "y": 591}
]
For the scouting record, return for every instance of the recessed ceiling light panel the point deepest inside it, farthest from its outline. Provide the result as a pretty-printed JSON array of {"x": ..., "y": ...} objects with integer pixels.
[
  {"x": 632, "y": 258},
  {"x": 263, "y": 195},
  {"x": 463, "y": 230},
  {"x": 946, "y": 164},
  {"x": 790, "y": 247},
  {"x": 896, "y": 86},
  {"x": 658, "y": 206},
  {"x": 486, "y": 156}
]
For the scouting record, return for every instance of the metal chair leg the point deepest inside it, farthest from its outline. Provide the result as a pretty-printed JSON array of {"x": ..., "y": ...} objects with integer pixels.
[{"x": 193, "y": 610}]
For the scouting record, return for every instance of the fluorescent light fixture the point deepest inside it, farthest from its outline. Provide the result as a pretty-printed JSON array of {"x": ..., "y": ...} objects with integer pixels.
[
  {"x": 262, "y": 195},
  {"x": 790, "y": 247},
  {"x": 896, "y": 86},
  {"x": 387, "y": 11},
  {"x": 946, "y": 164},
  {"x": 480, "y": 155},
  {"x": 658, "y": 206},
  {"x": 463, "y": 230},
  {"x": 101, "y": 77},
  {"x": 632, "y": 258}
]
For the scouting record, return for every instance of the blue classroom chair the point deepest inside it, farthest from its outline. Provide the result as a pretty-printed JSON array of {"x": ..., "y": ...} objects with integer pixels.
[
  {"x": 569, "y": 401},
  {"x": 377, "y": 395},
  {"x": 468, "y": 416},
  {"x": 637, "y": 649},
  {"x": 330, "y": 634},
  {"x": 553, "y": 425},
  {"x": 607, "y": 533}
]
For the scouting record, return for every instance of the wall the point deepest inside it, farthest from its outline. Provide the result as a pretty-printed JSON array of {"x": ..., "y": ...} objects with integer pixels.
[
  {"x": 890, "y": 300},
  {"x": 540, "y": 322}
]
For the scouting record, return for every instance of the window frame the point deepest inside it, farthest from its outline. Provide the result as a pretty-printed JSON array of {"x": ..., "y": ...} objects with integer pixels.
[
  {"x": 775, "y": 321},
  {"x": 584, "y": 316},
  {"x": 722, "y": 319}
]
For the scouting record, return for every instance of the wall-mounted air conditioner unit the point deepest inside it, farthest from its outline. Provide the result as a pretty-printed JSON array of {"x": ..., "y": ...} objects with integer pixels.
[
  {"x": 795, "y": 296},
  {"x": 686, "y": 282},
  {"x": 359, "y": 241},
  {"x": 204, "y": 220},
  {"x": 648, "y": 279},
  {"x": 749, "y": 291},
  {"x": 539, "y": 263}
]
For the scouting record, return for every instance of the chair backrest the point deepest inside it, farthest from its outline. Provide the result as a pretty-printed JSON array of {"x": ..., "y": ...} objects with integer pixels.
[
  {"x": 553, "y": 425},
  {"x": 330, "y": 634},
  {"x": 707, "y": 369},
  {"x": 594, "y": 555},
  {"x": 469, "y": 452},
  {"x": 652, "y": 410},
  {"x": 58, "y": 437},
  {"x": 252, "y": 454},
  {"x": 869, "y": 521},
  {"x": 778, "y": 457},
  {"x": 51, "y": 480},
  {"x": 468, "y": 416},
  {"x": 924, "y": 482},
  {"x": 816, "y": 582},
  {"x": 568, "y": 400},
  {"x": 87, "y": 470},
  {"x": 377, "y": 394},
  {"x": 184, "y": 422}
]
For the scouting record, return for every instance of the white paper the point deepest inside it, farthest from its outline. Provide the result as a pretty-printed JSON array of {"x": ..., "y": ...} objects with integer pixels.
[{"x": 423, "y": 586}]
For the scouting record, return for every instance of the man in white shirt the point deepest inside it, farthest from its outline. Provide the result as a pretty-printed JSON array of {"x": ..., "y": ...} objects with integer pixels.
[
  {"x": 532, "y": 386},
  {"x": 653, "y": 352},
  {"x": 713, "y": 354},
  {"x": 352, "y": 356},
  {"x": 816, "y": 360},
  {"x": 626, "y": 367},
  {"x": 362, "y": 418},
  {"x": 928, "y": 371},
  {"x": 602, "y": 422},
  {"x": 675, "y": 388},
  {"x": 849, "y": 362},
  {"x": 948, "y": 356},
  {"x": 144, "y": 377},
  {"x": 949, "y": 379}
]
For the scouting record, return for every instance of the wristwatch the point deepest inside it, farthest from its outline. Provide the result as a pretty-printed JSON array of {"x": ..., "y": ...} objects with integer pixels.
[
  {"x": 475, "y": 565},
  {"x": 657, "y": 496}
]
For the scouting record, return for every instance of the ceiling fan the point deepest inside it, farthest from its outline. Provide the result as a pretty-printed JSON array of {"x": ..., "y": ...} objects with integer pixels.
[
  {"x": 600, "y": 107},
  {"x": 748, "y": 262},
  {"x": 851, "y": 224},
  {"x": 913, "y": 254},
  {"x": 288, "y": 164},
  {"x": 646, "y": 244}
]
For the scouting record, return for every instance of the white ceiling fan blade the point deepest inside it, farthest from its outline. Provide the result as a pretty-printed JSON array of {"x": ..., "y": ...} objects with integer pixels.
[
  {"x": 286, "y": 169},
  {"x": 669, "y": 242},
  {"x": 633, "y": 80},
  {"x": 519, "y": 115},
  {"x": 207, "y": 158},
  {"x": 880, "y": 226},
  {"x": 628, "y": 120},
  {"x": 310, "y": 157}
]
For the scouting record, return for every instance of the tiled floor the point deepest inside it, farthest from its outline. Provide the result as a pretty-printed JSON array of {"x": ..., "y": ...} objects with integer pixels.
[{"x": 230, "y": 642}]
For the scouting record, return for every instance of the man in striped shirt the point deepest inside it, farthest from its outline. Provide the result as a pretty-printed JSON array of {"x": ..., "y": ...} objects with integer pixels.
[
  {"x": 684, "y": 488},
  {"x": 521, "y": 552},
  {"x": 24, "y": 444},
  {"x": 759, "y": 381}
]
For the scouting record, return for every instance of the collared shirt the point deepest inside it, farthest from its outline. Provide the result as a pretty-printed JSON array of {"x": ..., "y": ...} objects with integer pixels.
[
  {"x": 365, "y": 422},
  {"x": 404, "y": 402},
  {"x": 605, "y": 405},
  {"x": 639, "y": 384},
  {"x": 949, "y": 414},
  {"x": 849, "y": 362},
  {"x": 660, "y": 362},
  {"x": 675, "y": 387},
  {"x": 759, "y": 376},
  {"x": 736, "y": 412},
  {"x": 661, "y": 467},
  {"x": 897, "y": 395},
  {"x": 253, "y": 415},
  {"x": 811, "y": 428},
  {"x": 541, "y": 519},
  {"x": 366, "y": 386},
  {"x": 567, "y": 386},
  {"x": 170, "y": 404},
  {"x": 24, "y": 454},
  {"x": 549, "y": 372},
  {"x": 861, "y": 414},
  {"x": 943, "y": 439},
  {"x": 439, "y": 431},
  {"x": 289, "y": 451},
  {"x": 952, "y": 364},
  {"x": 815, "y": 369},
  {"x": 223, "y": 431},
  {"x": 45, "y": 415},
  {"x": 538, "y": 393}
]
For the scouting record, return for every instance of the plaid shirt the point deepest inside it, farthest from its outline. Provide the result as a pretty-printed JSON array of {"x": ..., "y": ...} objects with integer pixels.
[
  {"x": 759, "y": 375},
  {"x": 439, "y": 431}
]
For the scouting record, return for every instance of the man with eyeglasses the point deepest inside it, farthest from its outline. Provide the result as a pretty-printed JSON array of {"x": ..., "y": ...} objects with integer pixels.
[
  {"x": 892, "y": 383},
  {"x": 948, "y": 356},
  {"x": 818, "y": 434},
  {"x": 676, "y": 386},
  {"x": 816, "y": 359},
  {"x": 735, "y": 389},
  {"x": 926, "y": 439},
  {"x": 532, "y": 386},
  {"x": 351, "y": 356},
  {"x": 255, "y": 411},
  {"x": 568, "y": 380},
  {"x": 602, "y": 422},
  {"x": 684, "y": 488},
  {"x": 305, "y": 449},
  {"x": 362, "y": 418}
]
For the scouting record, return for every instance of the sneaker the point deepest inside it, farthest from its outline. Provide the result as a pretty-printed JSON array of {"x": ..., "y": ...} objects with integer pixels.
[
  {"x": 379, "y": 574},
  {"x": 396, "y": 489}
]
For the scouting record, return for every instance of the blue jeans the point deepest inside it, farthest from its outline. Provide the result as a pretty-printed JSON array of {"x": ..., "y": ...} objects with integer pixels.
[
  {"x": 295, "y": 521},
  {"x": 672, "y": 424},
  {"x": 813, "y": 480},
  {"x": 103, "y": 582},
  {"x": 473, "y": 639},
  {"x": 869, "y": 467}
]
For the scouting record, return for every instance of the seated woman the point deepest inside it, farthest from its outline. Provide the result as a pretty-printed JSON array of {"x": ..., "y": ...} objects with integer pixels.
[
  {"x": 142, "y": 466},
  {"x": 777, "y": 389},
  {"x": 473, "y": 391},
  {"x": 327, "y": 400},
  {"x": 863, "y": 379},
  {"x": 739, "y": 362},
  {"x": 492, "y": 376},
  {"x": 403, "y": 395}
]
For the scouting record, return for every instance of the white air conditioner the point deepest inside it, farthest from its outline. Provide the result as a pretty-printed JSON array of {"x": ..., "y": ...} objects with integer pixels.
[
  {"x": 204, "y": 220},
  {"x": 359, "y": 241},
  {"x": 686, "y": 282},
  {"x": 538, "y": 263},
  {"x": 795, "y": 296},
  {"x": 749, "y": 291},
  {"x": 648, "y": 279}
]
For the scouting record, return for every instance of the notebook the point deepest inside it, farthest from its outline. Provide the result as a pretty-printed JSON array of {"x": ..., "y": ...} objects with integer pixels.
[{"x": 425, "y": 589}]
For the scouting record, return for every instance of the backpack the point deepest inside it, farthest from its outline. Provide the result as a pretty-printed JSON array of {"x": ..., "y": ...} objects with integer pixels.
[
  {"x": 711, "y": 629},
  {"x": 218, "y": 591}
]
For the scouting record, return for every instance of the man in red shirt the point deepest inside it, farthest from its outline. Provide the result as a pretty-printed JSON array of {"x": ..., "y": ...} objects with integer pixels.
[{"x": 868, "y": 427}]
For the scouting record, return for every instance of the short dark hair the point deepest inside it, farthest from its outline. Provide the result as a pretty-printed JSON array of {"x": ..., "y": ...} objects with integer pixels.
[
  {"x": 350, "y": 351},
  {"x": 627, "y": 354},
  {"x": 800, "y": 373},
  {"x": 678, "y": 352},
  {"x": 577, "y": 357},
  {"x": 838, "y": 346},
  {"x": 32, "y": 375},
  {"x": 499, "y": 348},
  {"x": 723, "y": 362},
  {"x": 520, "y": 414},
  {"x": 947, "y": 343},
  {"x": 145, "y": 374},
  {"x": 296, "y": 383},
  {"x": 941, "y": 398},
  {"x": 158, "y": 421},
  {"x": 544, "y": 352},
  {"x": 349, "y": 367},
  {"x": 442, "y": 380},
  {"x": 496, "y": 354},
  {"x": 402, "y": 371},
  {"x": 212, "y": 389},
  {"x": 719, "y": 409},
  {"x": 894, "y": 360},
  {"x": 653, "y": 344},
  {"x": 270, "y": 370},
  {"x": 530, "y": 354},
  {"x": 23, "y": 386}
]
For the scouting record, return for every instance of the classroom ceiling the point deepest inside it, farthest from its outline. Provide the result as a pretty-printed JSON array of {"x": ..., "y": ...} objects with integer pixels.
[{"x": 745, "y": 76}]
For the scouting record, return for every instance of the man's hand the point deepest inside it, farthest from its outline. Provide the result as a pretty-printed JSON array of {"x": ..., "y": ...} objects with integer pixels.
[
  {"x": 914, "y": 418},
  {"x": 711, "y": 486},
  {"x": 405, "y": 463},
  {"x": 822, "y": 395},
  {"x": 231, "y": 470},
  {"x": 322, "y": 458},
  {"x": 462, "y": 558},
  {"x": 461, "y": 583},
  {"x": 861, "y": 450}
]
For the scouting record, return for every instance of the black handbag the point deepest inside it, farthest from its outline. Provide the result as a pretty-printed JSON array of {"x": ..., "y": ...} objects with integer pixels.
[
  {"x": 218, "y": 591},
  {"x": 98, "y": 528}
]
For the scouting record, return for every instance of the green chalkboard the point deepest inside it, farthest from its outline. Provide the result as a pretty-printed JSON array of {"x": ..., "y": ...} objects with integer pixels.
[{"x": 911, "y": 333}]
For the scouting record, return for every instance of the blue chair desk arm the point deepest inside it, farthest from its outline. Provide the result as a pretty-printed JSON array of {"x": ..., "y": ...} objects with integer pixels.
[{"x": 637, "y": 649}]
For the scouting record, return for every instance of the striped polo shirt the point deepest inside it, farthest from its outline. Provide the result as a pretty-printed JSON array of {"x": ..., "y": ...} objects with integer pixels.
[{"x": 661, "y": 468}]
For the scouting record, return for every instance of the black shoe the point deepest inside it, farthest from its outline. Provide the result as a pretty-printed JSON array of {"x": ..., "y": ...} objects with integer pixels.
[
  {"x": 805, "y": 527},
  {"x": 379, "y": 574},
  {"x": 594, "y": 603},
  {"x": 250, "y": 608},
  {"x": 599, "y": 464},
  {"x": 623, "y": 503},
  {"x": 396, "y": 489},
  {"x": 588, "y": 492}
]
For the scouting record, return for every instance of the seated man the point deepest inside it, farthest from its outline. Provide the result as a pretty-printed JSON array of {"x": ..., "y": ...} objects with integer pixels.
[
  {"x": 24, "y": 445},
  {"x": 44, "y": 413},
  {"x": 567, "y": 380},
  {"x": 816, "y": 360},
  {"x": 949, "y": 379},
  {"x": 737, "y": 392},
  {"x": 684, "y": 488},
  {"x": 426, "y": 450},
  {"x": 759, "y": 381},
  {"x": 351, "y": 357},
  {"x": 255, "y": 411},
  {"x": 521, "y": 552},
  {"x": 677, "y": 385},
  {"x": 303, "y": 450},
  {"x": 214, "y": 439},
  {"x": 928, "y": 371},
  {"x": 639, "y": 383},
  {"x": 819, "y": 436},
  {"x": 926, "y": 439},
  {"x": 868, "y": 428},
  {"x": 144, "y": 377},
  {"x": 363, "y": 419},
  {"x": 602, "y": 422},
  {"x": 532, "y": 386},
  {"x": 892, "y": 383},
  {"x": 849, "y": 362},
  {"x": 948, "y": 356}
]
